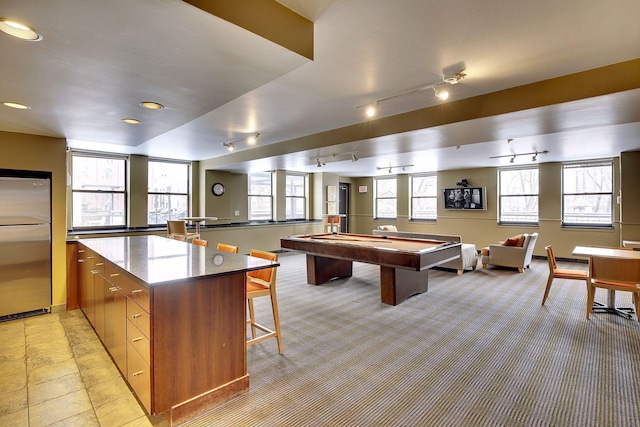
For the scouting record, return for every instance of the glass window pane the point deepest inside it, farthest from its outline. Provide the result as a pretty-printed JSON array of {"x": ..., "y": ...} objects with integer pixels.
[
  {"x": 588, "y": 209},
  {"x": 295, "y": 185},
  {"x": 424, "y": 208},
  {"x": 386, "y": 188},
  {"x": 295, "y": 208},
  {"x": 588, "y": 179},
  {"x": 162, "y": 207},
  {"x": 519, "y": 181},
  {"x": 260, "y": 208},
  {"x": 98, "y": 209},
  {"x": 386, "y": 208},
  {"x": 95, "y": 173},
  {"x": 424, "y": 186},
  {"x": 168, "y": 177},
  {"x": 519, "y": 209}
]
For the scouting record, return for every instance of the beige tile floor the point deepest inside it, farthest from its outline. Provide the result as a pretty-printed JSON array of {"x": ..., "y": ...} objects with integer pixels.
[{"x": 55, "y": 372}]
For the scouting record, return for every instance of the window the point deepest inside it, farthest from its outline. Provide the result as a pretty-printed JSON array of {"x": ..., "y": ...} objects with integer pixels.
[
  {"x": 260, "y": 199},
  {"x": 424, "y": 196},
  {"x": 98, "y": 190},
  {"x": 587, "y": 194},
  {"x": 386, "y": 196},
  {"x": 295, "y": 197},
  {"x": 519, "y": 196},
  {"x": 168, "y": 191}
]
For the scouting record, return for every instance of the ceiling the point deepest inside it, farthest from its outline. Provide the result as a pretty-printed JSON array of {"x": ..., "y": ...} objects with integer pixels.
[{"x": 219, "y": 82}]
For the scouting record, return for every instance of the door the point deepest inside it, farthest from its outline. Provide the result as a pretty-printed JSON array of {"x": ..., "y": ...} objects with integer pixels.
[
  {"x": 343, "y": 206},
  {"x": 25, "y": 268}
]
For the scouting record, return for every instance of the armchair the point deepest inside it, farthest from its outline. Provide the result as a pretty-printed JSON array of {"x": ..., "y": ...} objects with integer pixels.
[{"x": 510, "y": 256}]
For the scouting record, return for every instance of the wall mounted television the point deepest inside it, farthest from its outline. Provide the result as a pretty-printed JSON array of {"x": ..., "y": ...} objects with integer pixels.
[{"x": 471, "y": 198}]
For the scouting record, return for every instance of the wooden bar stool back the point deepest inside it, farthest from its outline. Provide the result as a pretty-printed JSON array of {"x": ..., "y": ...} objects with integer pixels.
[
  {"x": 262, "y": 283},
  {"x": 179, "y": 228},
  {"x": 227, "y": 248},
  {"x": 200, "y": 242}
]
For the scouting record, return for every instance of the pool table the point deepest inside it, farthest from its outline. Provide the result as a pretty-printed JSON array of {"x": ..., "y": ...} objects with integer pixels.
[{"x": 404, "y": 262}]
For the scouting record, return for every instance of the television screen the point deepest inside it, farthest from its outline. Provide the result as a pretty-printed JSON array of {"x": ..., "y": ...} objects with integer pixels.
[{"x": 465, "y": 198}]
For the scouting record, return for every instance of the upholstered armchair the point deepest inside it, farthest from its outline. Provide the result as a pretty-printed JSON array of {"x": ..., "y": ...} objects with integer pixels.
[{"x": 515, "y": 252}]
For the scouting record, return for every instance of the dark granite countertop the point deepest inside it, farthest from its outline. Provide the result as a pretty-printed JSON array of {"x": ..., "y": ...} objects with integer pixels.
[{"x": 157, "y": 260}]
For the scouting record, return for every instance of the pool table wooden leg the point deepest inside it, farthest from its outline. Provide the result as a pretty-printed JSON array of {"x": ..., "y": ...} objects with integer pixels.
[
  {"x": 396, "y": 284},
  {"x": 320, "y": 270}
]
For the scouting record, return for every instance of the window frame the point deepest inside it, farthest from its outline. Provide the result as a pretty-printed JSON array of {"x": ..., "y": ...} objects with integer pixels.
[
  {"x": 412, "y": 196},
  {"x": 377, "y": 197},
  {"x": 501, "y": 196},
  {"x": 171, "y": 193},
  {"x": 591, "y": 163},
  {"x": 123, "y": 192},
  {"x": 296, "y": 198},
  {"x": 250, "y": 196}
]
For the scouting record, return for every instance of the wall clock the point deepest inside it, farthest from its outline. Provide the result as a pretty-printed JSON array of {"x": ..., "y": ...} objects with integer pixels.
[{"x": 217, "y": 189}]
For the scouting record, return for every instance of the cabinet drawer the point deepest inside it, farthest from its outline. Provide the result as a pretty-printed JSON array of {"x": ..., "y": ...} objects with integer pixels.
[
  {"x": 139, "y": 317},
  {"x": 128, "y": 286},
  {"x": 138, "y": 341},
  {"x": 98, "y": 264},
  {"x": 139, "y": 376}
]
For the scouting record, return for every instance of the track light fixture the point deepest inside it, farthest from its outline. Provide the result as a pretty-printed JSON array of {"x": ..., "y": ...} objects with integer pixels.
[
  {"x": 251, "y": 140},
  {"x": 391, "y": 168},
  {"x": 441, "y": 91},
  {"x": 337, "y": 157},
  {"x": 533, "y": 154}
]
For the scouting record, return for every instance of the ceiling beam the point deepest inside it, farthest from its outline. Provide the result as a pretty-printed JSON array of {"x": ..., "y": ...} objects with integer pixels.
[{"x": 266, "y": 18}]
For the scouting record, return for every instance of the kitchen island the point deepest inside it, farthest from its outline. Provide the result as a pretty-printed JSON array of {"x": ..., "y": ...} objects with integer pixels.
[{"x": 171, "y": 315}]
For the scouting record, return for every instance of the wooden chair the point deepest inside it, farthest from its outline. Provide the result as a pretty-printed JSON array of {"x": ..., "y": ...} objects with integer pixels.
[
  {"x": 262, "y": 283},
  {"x": 560, "y": 273},
  {"x": 227, "y": 248},
  {"x": 179, "y": 228},
  {"x": 178, "y": 237},
  {"x": 200, "y": 242},
  {"x": 333, "y": 224},
  {"x": 614, "y": 274}
]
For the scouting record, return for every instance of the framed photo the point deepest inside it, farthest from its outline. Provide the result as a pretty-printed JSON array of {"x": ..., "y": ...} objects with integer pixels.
[{"x": 332, "y": 192}]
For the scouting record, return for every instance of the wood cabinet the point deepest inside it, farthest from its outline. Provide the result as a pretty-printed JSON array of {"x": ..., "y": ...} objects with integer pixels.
[{"x": 181, "y": 343}]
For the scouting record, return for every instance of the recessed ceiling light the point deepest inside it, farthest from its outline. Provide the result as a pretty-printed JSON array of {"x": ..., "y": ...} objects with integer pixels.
[
  {"x": 151, "y": 105},
  {"x": 16, "y": 105},
  {"x": 131, "y": 121},
  {"x": 21, "y": 31}
]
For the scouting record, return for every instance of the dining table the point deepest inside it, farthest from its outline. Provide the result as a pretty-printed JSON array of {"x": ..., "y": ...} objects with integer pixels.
[
  {"x": 197, "y": 220},
  {"x": 610, "y": 306}
]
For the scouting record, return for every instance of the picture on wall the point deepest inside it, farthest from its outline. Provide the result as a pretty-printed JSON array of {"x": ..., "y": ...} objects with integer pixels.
[{"x": 465, "y": 198}]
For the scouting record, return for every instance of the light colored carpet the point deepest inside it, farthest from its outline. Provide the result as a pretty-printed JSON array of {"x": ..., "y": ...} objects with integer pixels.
[{"x": 475, "y": 350}]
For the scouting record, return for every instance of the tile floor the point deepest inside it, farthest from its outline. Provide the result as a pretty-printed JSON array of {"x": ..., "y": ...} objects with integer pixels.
[{"x": 55, "y": 372}]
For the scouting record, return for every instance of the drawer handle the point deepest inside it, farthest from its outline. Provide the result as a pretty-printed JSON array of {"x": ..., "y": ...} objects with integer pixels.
[
  {"x": 81, "y": 251},
  {"x": 135, "y": 374},
  {"x": 94, "y": 271},
  {"x": 114, "y": 274},
  {"x": 135, "y": 316},
  {"x": 136, "y": 339},
  {"x": 80, "y": 260},
  {"x": 136, "y": 291},
  {"x": 99, "y": 263},
  {"x": 90, "y": 257},
  {"x": 114, "y": 289}
]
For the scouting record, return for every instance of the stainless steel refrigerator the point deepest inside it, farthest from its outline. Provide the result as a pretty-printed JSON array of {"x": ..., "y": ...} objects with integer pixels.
[{"x": 25, "y": 243}]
